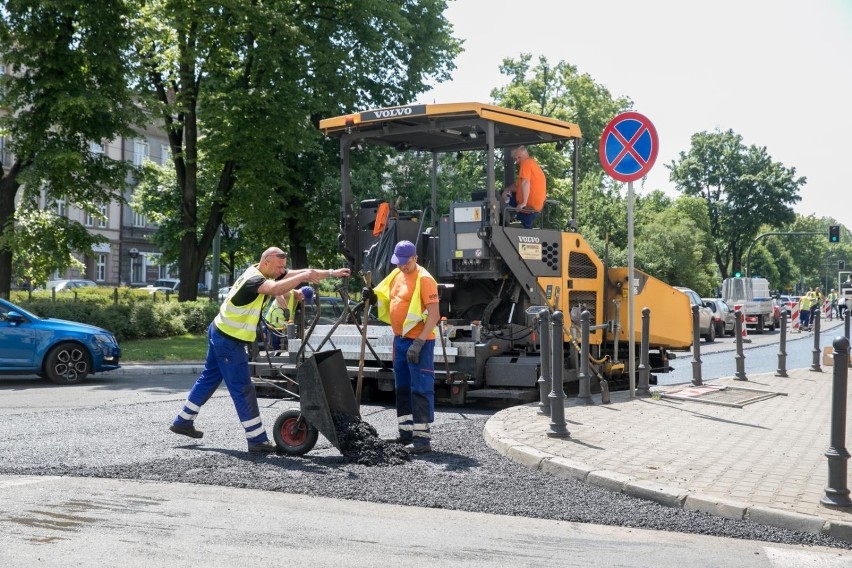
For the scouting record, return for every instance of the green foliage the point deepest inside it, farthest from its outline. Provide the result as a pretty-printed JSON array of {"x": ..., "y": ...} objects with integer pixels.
[
  {"x": 134, "y": 317},
  {"x": 240, "y": 89},
  {"x": 743, "y": 188},
  {"x": 44, "y": 242},
  {"x": 66, "y": 86}
]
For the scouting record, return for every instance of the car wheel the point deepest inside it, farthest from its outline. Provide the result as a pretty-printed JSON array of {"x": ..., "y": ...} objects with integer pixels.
[
  {"x": 711, "y": 334},
  {"x": 67, "y": 364},
  {"x": 720, "y": 329}
]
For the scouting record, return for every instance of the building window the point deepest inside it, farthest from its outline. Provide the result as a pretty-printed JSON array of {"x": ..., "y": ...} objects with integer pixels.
[
  {"x": 89, "y": 220},
  {"x": 103, "y": 222},
  {"x": 100, "y": 268},
  {"x": 139, "y": 219},
  {"x": 140, "y": 152},
  {"x": 96, "y": 148},
  {"x": 61, "y": 209},
  {"x": 165, "y": 155},
  {"x": 5, "y": 155}
]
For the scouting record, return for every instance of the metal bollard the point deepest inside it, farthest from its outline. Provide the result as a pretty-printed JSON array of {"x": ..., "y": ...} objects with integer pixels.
[
  {"x": 846, "y": 323},
  {"x": 696, "y": 349},
  {"x": 837, "y": 491},
  {"x": 585, "y": 389},
  {"x": 739, "y": 358},
  {"x": 643, "y": 388},
  {"x": 557, "y": 393},
  {"x": 815, "y": 365},
  {"x": 782, "y": 348},
  {"x": 544, "y": 381}
]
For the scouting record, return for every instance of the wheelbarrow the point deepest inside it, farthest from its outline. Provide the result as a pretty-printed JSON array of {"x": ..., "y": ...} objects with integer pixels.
[{"x": 324, "y": 388}]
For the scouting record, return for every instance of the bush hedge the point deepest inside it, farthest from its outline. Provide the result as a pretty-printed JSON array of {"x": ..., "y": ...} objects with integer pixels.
[{"x": 127, "y": 313}]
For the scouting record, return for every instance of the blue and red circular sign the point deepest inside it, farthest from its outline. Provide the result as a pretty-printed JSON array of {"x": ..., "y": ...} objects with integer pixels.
[{"x": 629, "y": 146}]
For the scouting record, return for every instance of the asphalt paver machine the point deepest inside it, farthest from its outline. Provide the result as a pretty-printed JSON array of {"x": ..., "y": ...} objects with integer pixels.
[{"x": 492, "y": 273}]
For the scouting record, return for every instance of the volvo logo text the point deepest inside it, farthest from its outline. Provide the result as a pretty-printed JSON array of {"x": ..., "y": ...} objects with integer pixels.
[
  {"x": 524, "y": 239},
  {"x": 384, "y": 113}
]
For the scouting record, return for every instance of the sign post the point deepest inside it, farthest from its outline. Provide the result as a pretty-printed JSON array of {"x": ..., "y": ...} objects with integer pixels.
[{"x": 628, "y": 150}]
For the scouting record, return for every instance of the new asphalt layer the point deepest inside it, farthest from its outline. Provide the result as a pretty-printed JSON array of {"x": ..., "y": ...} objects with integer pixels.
[{"x": 762, "y": 461}]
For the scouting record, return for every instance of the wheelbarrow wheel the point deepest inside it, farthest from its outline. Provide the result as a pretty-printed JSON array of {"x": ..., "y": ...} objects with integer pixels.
[{"x": 292, "y": 433}]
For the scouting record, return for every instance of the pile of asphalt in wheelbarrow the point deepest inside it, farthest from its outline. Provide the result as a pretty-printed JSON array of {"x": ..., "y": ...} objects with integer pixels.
[{"x": 360, "y": 443}]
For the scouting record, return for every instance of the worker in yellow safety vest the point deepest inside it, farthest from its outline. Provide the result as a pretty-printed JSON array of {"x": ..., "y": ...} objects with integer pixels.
[
  {"x": 233, "y": 329},
  {"x": 408, "y": 300}
]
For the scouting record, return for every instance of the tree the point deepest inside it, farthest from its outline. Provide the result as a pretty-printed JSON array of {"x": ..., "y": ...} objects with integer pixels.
[
  {"x": 66, "y": 86},
  {"x": 743, "y": 189},
  {"x": 240, "y": 87},
  {"x": 674, "y": 245}
]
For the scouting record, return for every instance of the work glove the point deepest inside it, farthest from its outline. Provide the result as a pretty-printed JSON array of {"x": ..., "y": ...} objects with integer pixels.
[
  {"x": 369, "y": 294},
  {"x": 307, "y": 293},
  {"x": 413, "y": 353}
]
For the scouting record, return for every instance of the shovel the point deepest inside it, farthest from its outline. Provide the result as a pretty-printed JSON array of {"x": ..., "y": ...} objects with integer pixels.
[{"x": 368, "y": 281}]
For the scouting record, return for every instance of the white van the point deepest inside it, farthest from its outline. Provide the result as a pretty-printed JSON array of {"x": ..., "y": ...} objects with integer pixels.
[{"x": 170, "y": 285}]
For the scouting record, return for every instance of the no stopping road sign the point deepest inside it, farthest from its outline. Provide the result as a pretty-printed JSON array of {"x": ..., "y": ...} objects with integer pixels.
[{"x": 629, "y": 146}]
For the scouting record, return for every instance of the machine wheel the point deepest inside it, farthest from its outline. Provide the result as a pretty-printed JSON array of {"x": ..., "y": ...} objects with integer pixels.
[
  {"x": 67, "y": 364},
  {"x": 292, "y": 433}
]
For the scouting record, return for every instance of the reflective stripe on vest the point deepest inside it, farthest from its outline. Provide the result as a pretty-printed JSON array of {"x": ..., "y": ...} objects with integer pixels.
[{"x": 240, "y": 322}]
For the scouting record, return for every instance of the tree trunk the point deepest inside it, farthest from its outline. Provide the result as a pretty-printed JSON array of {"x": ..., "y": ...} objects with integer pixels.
[{"x": 8, "y": 189}]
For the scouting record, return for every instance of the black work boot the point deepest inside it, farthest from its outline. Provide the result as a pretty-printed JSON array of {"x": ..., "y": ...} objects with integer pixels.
[
  {"x": 186, "y": 430},
  {"x": 266, "y": 447}
]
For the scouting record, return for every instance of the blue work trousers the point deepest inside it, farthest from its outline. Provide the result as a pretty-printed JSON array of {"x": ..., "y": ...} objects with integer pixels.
[
  {"x": 227, "y": 359},
  {"x": 415, "y": 390},
  {"x": 525, "y": 217}
]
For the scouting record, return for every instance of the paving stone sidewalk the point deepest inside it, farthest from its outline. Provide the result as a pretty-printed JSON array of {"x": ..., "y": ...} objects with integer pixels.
[{"x": 764, "y": 462}]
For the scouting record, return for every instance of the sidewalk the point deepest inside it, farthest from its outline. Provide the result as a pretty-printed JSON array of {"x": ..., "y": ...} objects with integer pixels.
[{"x": 763, "y": 462}]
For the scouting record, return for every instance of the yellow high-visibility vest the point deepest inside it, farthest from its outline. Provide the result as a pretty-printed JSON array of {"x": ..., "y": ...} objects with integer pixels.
[
  {"x": 240, "y": 322},
  {"x": 416, "y": 311}
]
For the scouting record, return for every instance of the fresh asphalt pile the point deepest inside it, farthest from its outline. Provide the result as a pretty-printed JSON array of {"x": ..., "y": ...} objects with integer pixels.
[
  {"x": 360, "y": 443},
  {"x": 462, "y": 473}
]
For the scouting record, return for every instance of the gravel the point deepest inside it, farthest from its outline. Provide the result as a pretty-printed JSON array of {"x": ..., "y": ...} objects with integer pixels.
[{"x": 462, "y": 473}]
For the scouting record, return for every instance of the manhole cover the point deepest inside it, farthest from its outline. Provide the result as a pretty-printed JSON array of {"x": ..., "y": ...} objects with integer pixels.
[{"x": 722, "y": 395}]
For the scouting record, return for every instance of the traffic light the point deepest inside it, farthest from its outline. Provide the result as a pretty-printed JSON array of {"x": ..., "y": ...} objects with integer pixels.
[{"x": 834, "y": 234}]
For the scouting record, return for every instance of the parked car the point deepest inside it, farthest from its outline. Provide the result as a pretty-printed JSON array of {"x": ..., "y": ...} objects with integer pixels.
[
  {"x": 64, "y": 352},
  {"x": 170, "y": 285},
  {"x": 64, "y": 285},
  {"x": 706, "y": 327},
  {"x": 723, "y": 316},
  {"x": 223, "y": 293}
]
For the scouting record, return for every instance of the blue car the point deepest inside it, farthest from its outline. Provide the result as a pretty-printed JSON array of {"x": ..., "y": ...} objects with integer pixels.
[{"x": 63, "y": 351}]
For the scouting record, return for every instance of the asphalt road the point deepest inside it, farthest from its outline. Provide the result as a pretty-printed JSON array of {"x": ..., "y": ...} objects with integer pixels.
[{"x": 116, "y": 428}]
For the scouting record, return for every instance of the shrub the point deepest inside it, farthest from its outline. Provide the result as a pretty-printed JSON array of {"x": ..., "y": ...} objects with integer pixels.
[{"x": 135, "y": 316}]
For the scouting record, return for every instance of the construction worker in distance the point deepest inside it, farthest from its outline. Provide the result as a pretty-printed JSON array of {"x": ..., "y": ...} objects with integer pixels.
[
  {"x": 818, "y": 303},
  {"x": 529, "y": 191},
  {"x": 805, "y": 305},
  {"x": 832, "y": 304},
  {"x": 233, "y": 329},
  {"x": 407, "y": 299}
]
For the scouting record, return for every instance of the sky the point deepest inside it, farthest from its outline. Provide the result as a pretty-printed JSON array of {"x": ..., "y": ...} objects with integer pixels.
[{"x": 776, "y": 72}]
